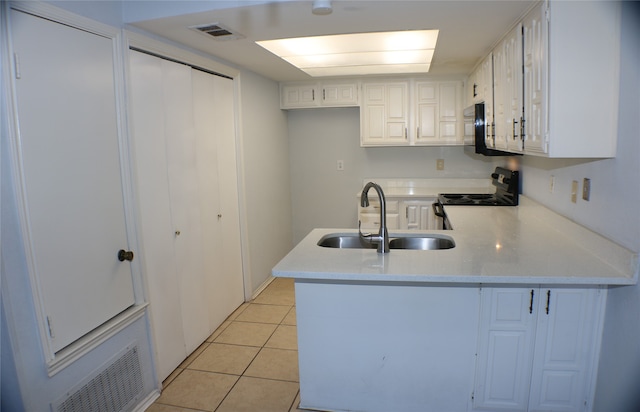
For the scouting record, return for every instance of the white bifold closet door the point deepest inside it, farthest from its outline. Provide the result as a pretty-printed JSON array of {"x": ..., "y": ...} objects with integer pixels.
[{"x": 184, "y": 139}]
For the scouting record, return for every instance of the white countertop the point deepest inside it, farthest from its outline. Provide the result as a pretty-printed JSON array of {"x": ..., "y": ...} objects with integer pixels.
[{"x": 527, "y": 244}]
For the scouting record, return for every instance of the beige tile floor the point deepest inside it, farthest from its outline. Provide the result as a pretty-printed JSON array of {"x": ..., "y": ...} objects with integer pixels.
[{"x": 249, "y": 364}]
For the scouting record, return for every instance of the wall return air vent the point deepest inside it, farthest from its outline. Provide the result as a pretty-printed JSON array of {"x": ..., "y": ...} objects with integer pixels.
[{"x": 217, "y": 31}]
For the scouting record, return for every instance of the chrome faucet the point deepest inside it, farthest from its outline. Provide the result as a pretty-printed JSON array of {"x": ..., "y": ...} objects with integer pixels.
[{"x": 382, "y": 239}]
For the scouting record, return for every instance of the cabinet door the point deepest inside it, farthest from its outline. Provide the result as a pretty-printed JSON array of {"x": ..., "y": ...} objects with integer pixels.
[
  {"x": 339, "y": 94},
  {"x": 567, "y": 338},
  {"x": 70, "y": 154},
  {"x": 385, "y": 116},
  {"x": 487, "y": 83},
  {"x": 499, "y": 140},
  {"x": 449, "y": 112},
  {"x": 298, "y": 96},
  {"x": 417, "y": 215},
  {"x": 427, "y": 112},
  {"x": 534, "y": 31},
  {"x": 505, "y": 348},
  {"x": 513, "y": 89}
]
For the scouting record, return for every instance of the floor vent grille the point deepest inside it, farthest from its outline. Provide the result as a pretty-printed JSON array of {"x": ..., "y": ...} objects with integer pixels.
[{"x": 113, "y": 388}]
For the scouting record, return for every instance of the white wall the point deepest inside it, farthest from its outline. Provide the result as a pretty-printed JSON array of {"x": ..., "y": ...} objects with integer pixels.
[
  {"x": 325, "y": 197},
  {"x": 612, "y": 212},
  {"x": 266, "y": 176}
]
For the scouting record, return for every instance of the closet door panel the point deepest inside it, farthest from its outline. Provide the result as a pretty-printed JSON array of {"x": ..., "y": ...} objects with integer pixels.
[
  {"x": 231, "y": 285},
  {"x": 184, "y": 190},
  {"x": 207, "y": 121},
  {"x": 154, "y": 200}
]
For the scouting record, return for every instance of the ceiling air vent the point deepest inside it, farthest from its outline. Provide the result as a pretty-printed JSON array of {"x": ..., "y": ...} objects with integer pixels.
[{"x": 217, "y": 31}]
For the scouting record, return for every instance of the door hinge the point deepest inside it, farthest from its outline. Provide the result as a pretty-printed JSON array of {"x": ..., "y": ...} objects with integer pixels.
[
  {"x": 16, "y": 65},
  {"x": 49, "y": 325}
]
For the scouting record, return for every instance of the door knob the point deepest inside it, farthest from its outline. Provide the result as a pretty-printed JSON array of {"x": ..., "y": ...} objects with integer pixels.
[{"x": 125, "y": 255}]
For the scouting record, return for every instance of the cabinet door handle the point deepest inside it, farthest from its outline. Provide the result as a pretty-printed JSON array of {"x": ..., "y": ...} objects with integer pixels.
[
  {"x": 313, "y": 95},
  {"x": 406, "y": 133},
  {"x": 548, "y": 300},
  {"x": 513, "y": 125},
  {"x": 531, "y": 302},
  {"x": 522, "y": 128}
]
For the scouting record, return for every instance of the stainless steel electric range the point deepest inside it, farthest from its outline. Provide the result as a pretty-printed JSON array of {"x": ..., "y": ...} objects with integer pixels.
[{"x": 507, "y": 183}]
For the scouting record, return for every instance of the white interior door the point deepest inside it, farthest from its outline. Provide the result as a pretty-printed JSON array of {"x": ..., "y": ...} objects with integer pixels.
[{"x": 72, "y": 178}]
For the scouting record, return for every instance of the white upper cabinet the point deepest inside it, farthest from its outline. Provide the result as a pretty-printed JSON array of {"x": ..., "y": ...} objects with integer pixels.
[
  {"x": 318, "y": 94},
  {"x": 412, "y": 112},
  {"x": 513, "y": 88},
  {"x": 480, "y": 83},
  {"x": 535, "y": 78},
  {"x": 553, "y": 74},
  {"x": 572, "y": 79},
  {"x": 385, "y": 114},
  {"x": 427, "y": 112},
  {"x": 508, "y": 91}
]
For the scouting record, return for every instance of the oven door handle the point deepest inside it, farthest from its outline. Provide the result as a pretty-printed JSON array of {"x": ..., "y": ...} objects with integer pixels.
[{"x": 439, "y": 213}]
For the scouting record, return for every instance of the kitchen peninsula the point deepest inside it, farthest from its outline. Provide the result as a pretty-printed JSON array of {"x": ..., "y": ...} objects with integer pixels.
[{"x": 509, "y": 319}]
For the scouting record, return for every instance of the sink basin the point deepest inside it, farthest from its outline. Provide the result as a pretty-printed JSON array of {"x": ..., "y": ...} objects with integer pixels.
[
  {"x": 422, "y": 243},
  {"x": 350, "y": 241},
  {"x": 417, "y": 242}
]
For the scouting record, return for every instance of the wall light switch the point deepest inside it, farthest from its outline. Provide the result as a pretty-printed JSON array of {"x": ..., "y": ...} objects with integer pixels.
[
  {"x": 340, "y": 165},
  {"x": 574, "y": 191},
  {"x": 440, "y": 164},
  {"x": 586, "y": 189}
]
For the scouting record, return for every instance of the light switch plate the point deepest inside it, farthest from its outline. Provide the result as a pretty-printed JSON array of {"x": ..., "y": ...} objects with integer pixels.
[
  {"x": 340, "y": 165},
  {"x": 440, "y": 164}
]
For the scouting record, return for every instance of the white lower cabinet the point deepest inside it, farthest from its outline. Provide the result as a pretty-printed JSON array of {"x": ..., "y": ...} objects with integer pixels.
[
  {"x": 537, "y": 348},
  {"x": 417, "y": 215},
  {"x": 402, "y": 214}
]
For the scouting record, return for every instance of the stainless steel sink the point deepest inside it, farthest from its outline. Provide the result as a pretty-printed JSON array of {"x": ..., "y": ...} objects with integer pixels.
[
  {"x": 422, "y": 243},
  {"x": 342, "y": 241},
  {"x": 417, "y": 242}
]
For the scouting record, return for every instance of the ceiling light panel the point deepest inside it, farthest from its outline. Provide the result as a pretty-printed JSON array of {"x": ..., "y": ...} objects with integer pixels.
[{"x": 358, "y": 54}]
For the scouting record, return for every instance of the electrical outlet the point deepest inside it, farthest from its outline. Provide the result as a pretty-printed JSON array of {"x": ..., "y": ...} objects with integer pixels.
[
  {"x": 574, "y": 191},
  {"x": 552, "y": 183},
  {"x": 440, "y": 164},
  {"x": 586, "y": 189},
  {"x": 340, "y": 165}
]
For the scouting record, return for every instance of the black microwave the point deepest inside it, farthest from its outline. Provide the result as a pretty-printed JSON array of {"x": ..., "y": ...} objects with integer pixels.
[{"x": 476, "y": 130}]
